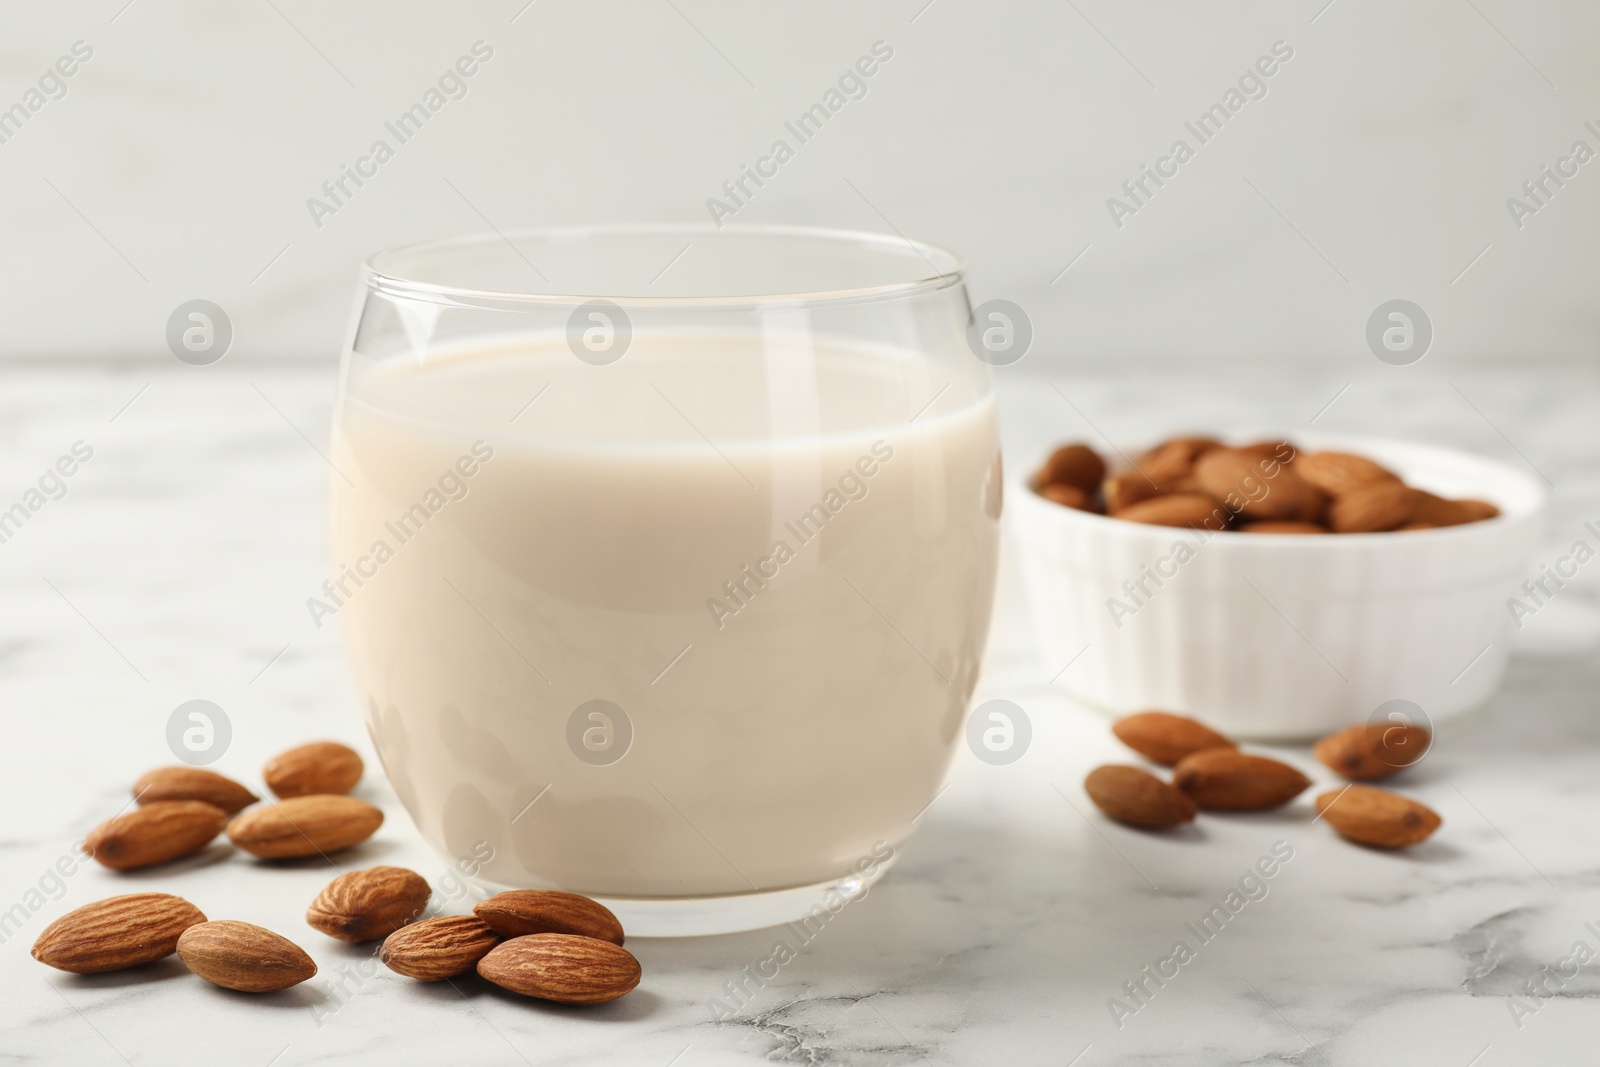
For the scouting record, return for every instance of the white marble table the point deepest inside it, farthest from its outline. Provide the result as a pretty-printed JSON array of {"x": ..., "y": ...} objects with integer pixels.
[{"x": 177, "y": 565}]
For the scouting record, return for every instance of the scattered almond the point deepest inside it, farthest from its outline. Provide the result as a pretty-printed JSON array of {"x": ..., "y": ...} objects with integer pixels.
[
  {"x": 304, "y": 826},
  {"x": 116, "y": 933},
  {"x": 156, "y": 833},
  {"x": 517, "y": 912},
  {"x": 243, "y": 956},
  {"x": 562, "y": 967},
  {"x": 1222, "y": 779},
  {"x": 1372, "y": 508},
  {"x": 193, "y": 783},
  {"x": 368, "y": 904},
  {"x": 1166, "y": 738},
  {"x": 317, "y": 768},
  {"x": 438, "y": 948},
  {"x": 1179, "y": 509},
  {"x": 1137, "y": 797},
  {"x": 1368, "y": 815},
  {"x": 1075, "y": 465},
  {"x": 1369, "y": 751}
]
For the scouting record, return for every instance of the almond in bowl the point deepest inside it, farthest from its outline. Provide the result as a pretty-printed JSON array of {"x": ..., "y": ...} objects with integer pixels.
[
  {"x": 1278, "y": 586},
  {"x": 1262, "y": 487}
]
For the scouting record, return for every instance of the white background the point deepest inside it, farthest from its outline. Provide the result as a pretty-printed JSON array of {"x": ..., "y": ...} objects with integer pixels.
[{"x": 1378, "y": 166}]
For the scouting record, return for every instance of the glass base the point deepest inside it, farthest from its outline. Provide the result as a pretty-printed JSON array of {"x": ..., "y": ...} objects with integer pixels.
[{"x": 736, "y": 912}]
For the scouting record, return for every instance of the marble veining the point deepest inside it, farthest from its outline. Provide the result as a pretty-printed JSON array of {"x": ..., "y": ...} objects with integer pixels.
[{"x": 177, "y": 566}]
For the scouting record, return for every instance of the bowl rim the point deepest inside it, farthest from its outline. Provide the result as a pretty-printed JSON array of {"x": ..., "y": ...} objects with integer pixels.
[{"x": 1533, "y": 505}]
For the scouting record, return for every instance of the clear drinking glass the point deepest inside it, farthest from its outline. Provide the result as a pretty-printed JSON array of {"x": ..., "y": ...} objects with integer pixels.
[{"x": 665, "y": 556}]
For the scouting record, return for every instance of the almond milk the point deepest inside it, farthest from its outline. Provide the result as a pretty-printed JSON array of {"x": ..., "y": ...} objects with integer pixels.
[{"x": 766, "y": 563}]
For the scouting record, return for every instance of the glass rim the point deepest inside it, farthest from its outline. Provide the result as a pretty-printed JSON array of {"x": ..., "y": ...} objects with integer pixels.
[{"x": 381, "y": 274}]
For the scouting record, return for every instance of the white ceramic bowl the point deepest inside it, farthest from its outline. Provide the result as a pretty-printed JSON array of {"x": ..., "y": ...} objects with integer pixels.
[{"x": 1279, "y": 635}]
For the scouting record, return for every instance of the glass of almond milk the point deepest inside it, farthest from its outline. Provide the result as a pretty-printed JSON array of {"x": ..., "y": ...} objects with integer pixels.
[{"x": 664, "y": 556}]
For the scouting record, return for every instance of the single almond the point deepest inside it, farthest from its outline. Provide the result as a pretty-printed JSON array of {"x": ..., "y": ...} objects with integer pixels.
[
  {"x": 116, "y": 933},
  {"x": 1123, "y": 490},
  {"x": 1476, "y": 510},
  {"x": 1137, "y": 797},
  {"x": 562, "y": 967},
  {"x": 1221, "y": 779},
  {"x": 1166, "y": 738},
  {"x": 1368, "y": 815},
  {"x": 1177, "y": 509},
  {"x": 368, "y": 904},
  {"x": 318, "y": 768},
  {"x": 1434, "y": 510},
  {"x": 1075, "y": 465},
  {"x": 1437, "y": 511},
  {"x": 1224, "y": 470},
  {"x": 304, "y": 826},
  {"x": 243, "y": 956},
  {"x": 517, "y": 912},
  {"x": 1340, "y": 472},
  {"x": 1369, "y": 751},
  {"x": 1171, "y": 463},
  {"x": 1068, "y": 496},
  {"x": 438, "y": 948},
  {"x": 193, "y": 783},
  {"x": 1258, "y": 484},
  {"x": 1372, "y": 508},
  {"x": 1284, "y": 526},
  {"x": 156, "y": 833}
]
